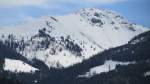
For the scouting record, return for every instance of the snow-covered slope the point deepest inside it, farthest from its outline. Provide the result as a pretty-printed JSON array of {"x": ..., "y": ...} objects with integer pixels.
[
  {"x": 18, "y": 66},
  {"x": 62, "y": 41},
  {"x": 106, "y": 67}
]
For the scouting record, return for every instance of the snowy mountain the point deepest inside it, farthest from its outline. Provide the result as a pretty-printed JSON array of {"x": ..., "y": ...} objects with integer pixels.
[
  {"x": 129, "y": 63},
  {"x": 61, "y": 41}
]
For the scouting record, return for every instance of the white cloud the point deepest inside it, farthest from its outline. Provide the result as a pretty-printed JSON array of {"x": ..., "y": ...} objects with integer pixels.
[
  {"x": 103, "y": 1},
  {"x": 22, "y": 2},
  {"x": 50, "y": 2},
  {"x": 90, "y": 1}
]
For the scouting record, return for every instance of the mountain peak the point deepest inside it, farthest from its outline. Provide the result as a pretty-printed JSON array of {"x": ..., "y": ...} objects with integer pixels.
[
  {"x": 98, "y": 12},
  {"x": 62, "y": 41}
]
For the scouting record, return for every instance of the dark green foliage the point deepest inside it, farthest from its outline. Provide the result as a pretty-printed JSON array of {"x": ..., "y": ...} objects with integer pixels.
[
  {"x": 94, "y": 20},
  {"x": 46, "y": 39},
  {"x": 2, "y": 61},
  {"x": 71, "y": 46},
  {"x": 129, "y": 74},
  {"x": 5, "y": 79},
  {"x": 54, "y": 19},
  {"x": 96, "y": 14},
  {"x": 7, "y": 51}
]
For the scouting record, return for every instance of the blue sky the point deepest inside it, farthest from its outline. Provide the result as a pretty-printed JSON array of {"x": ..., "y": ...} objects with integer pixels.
[{"x": 17, "y": 11}]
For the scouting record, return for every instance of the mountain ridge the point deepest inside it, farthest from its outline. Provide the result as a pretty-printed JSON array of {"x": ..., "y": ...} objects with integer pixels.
[{"x": 62, "y": 41}]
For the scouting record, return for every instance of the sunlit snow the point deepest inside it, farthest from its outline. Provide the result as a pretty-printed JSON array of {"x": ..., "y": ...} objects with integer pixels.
[
  {"x": 115, "y": 31},
  {"x": 106, "y": 67},
  {"x": 18, "y": 66}
]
